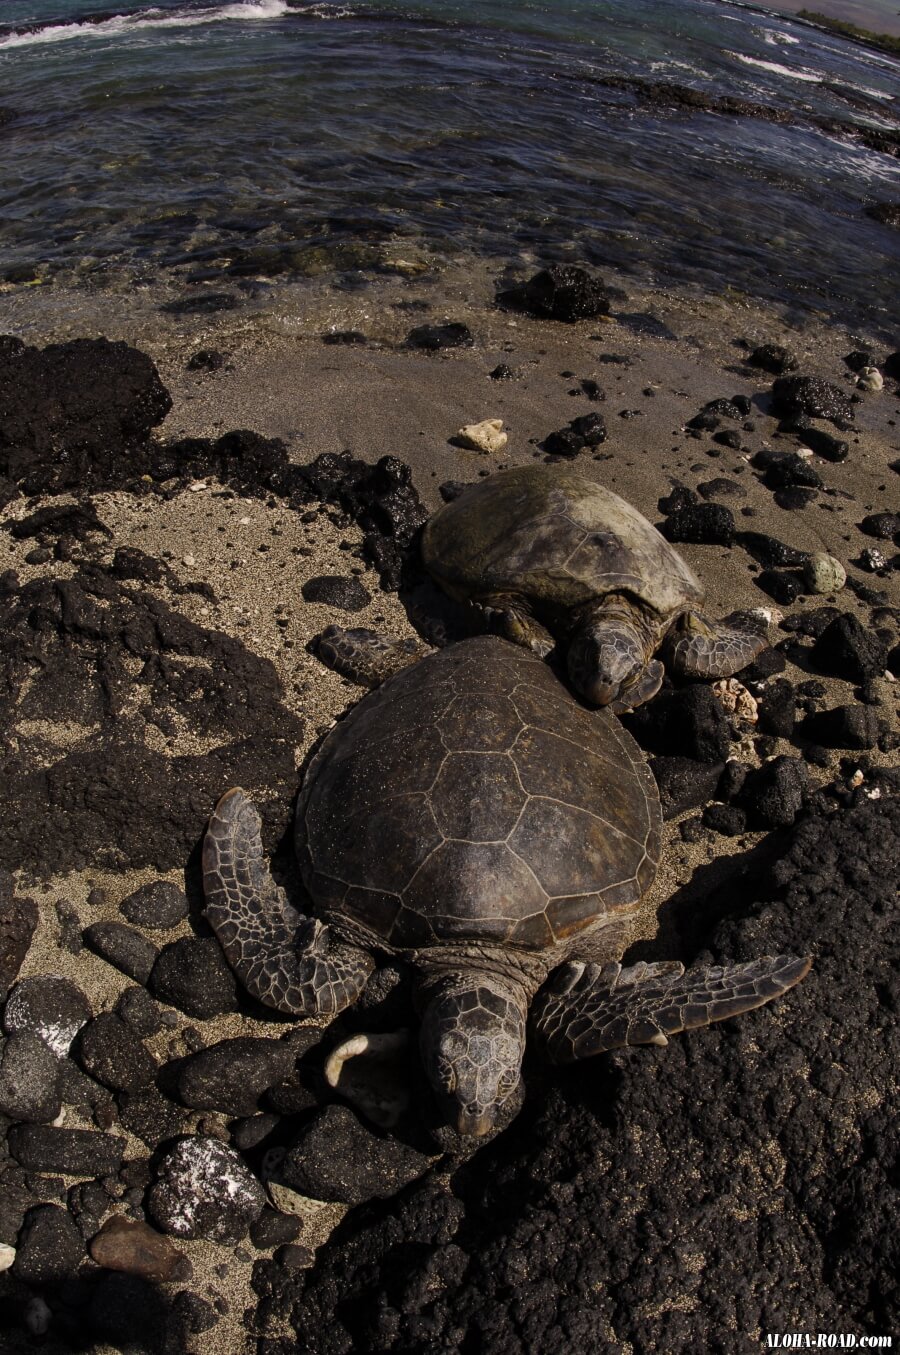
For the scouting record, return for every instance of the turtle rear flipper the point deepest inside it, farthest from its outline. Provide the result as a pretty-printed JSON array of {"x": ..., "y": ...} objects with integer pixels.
[
  {"x": 586, "y": 1009},
  {"x": 282, "y": 958},
  {"x": 366, "y": 657},
  {"x": 696, "y": 647}
]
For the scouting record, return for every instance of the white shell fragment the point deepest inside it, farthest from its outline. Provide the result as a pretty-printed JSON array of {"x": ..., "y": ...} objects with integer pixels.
[
  {"x": 870, "y": 379},
  {"x": 736, "y": 699},
  {"x": 487, "y": 436},
  {"x": 7, "y": 1255},
  {"x": 822, "y": 573},
  {"x": 771, "y": 615},
  {"x": 370, "y": 1071}
]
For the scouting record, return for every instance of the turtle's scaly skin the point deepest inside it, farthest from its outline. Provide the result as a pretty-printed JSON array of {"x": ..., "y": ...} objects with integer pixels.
[
  {"x": 557, "y": 539},
  {"x": 472, "y": 800}
]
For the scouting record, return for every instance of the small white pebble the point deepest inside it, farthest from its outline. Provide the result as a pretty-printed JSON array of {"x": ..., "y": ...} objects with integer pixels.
[
  {"x": 874, "y": 793},
  {"x": 244, "y": 522},
  {"x": 60, "y": 1119},
  {"x": 7, "y": 1256},
  {"x": 196, "y": 486},
  {"x": 857, "y": 779},
  {"x": 188, "y": 560}
]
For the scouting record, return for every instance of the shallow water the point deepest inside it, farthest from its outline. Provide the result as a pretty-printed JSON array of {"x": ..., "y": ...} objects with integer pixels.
[{"x": 273, "y": 138}]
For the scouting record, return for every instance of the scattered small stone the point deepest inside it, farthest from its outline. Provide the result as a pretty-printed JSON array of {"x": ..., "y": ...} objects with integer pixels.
[
  {"x": 795, "y": 498},
  {"x": 679, "y": 498},
  {"x": 74, "y": 1152},
  {"x": 773, "y": 794},
  {"x": 137, "y": 1249},
  {"x": 858, "y": 359},
  {"x": 192, "y": 974},
  {"x": 729, "y": 437},
  {"x": 786, "y": 470},
  {"x": 729, "y": 820},
  {"x": 782, "y": 587},
  {"x": 825, "y": 445},
  {"x": 157, "y": 905},
  {"x": 111, "y": 1051},
  {"x": 487, "y": 436},
  {"x": 822, "y": 573},
  {"x": 770, "y": 552},
  {"x": 688, "y": 723},
  {"x": 721, "y": 488},
  {"x": 337, "y": 1158},
  {"x": 49, "y": 1248},
  {"x": 18, "y": 920},
  {"x": 562, "y": 292},
  {"x": 206, "y": 360},
  {"x": 334, "y": 590},
  {"x": 587, "y": 430},
  {"x": 204, "y": 1189},
  {"x": 274, "y": 1229},
  {"x": 139, "y": 1012},
  {"x": 432, "y": 338},
  {"x": 50, "y": 1007},
  {"x": 702, "y": 523},
  {"x": 870, "y": 379},
  {"x": 344, "y": 337},
  {"x": 847, "y": 649},
  {"x": 856, "y": 727},
  {"x": 231, "y": 1076},
  {"x": 122, "y": 947},
  {"x": 503, "y": 373},
  {"x": 792, "y": 395},
  {"x": 70, "y": 927},
  {"x": 772, "y": 357},
  {"x": 193, "y": 1314},
  {"x": 29, "y": 1079},
  {"x": 151, "y": 1117},
  {"x": 684, "y": 783},
  {"x": 252, "y": 1130},
  {"x": 778, "y": 709},
  {"x": 885, "y": 526}
]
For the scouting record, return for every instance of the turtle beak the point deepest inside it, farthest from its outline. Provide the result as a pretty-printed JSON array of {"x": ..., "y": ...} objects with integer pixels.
[{"x": 473, "y": 1126}]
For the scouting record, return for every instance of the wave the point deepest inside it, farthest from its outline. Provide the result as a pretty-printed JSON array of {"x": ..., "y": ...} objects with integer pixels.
[
  {"x": 812, "y": 77},
  {"x": 775, "y": 39},
  {"x": 114, "y": 25}
]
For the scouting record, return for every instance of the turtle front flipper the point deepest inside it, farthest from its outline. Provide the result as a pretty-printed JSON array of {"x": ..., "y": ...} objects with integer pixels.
[
  {"x": 507, "y": 616},
  {"x": 366, "y": 657},
  {"x": 696, "y": 647},
  {"x": 585, "y": 1009},
  {"x": 282, "y": 958}
]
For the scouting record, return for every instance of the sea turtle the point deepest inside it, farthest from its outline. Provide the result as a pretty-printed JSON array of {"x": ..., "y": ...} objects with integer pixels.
[
  {"x": 474, "y": 818},
  {"x": 548, "y": 553}
]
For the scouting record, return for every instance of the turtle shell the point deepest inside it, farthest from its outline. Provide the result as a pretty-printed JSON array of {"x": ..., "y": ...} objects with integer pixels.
[
  {"x": 553, "y": 536},
  {"x": 472, "y": 798}
]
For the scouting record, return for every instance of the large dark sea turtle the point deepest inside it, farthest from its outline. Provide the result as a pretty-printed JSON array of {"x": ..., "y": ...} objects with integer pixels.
[
  {"x": 548, "y": 554},
  {"x": 473, "y": 817}
]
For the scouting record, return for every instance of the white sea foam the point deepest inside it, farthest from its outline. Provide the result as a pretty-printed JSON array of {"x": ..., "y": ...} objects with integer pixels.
[
  {"x": 114, "y": 27},
  {"x": 812, "y": 77},
  {"x": 776, "y": 39}
]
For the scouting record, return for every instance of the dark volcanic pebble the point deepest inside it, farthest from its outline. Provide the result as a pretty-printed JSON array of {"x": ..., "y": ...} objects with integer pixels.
[
  {"x": 334, "y": 590},
  {"x": 729, "y": 820},
  {"x": 274, "y": 1229},
  {"x": 502, "y": 372},
  {"x": 344, "y": 337},
  {"x": 112, "y": 1052},
  {"x": 684, "y": 783},
  {"x": 773, "y": 793},
  {"x": 252, "y": 1130},
  {"x": 856, "y": 727},
  {"x": 431, "y": 338},
  {"x": 721, "y": 488},
  {"x": 587, "y": 430},
  {"x": 703, "y": 523},
  {"x": 192, "y": 974},
  {"x": 338, "y": 1158},
  {"x": 123, "y": 947},
  {"x": 859, "y": 358},
  {"x": 678, "y": 498},
  {"x": 75, "y": 1152},
  {"x": 882, "y": 525},
  {"x": 232, "y": 1075},
  {"x": 18, "y": 919},
  {"x": 811, "y": 623},
  {"x": 769, "y": 551},
  {"x": 150, "y": 1116},
  {"x": 793, "y": 395},
  {"x": 772, "y": 357},
  {"x": 786, "y": 470},
  {"x": 29, "y": 1079},
  {"x": 156, "y": 905},
  {"x": 561, "y": 292},
  {"x": 765, "y": 665},
  {"x": 204, "y": 1189},
  {"x": 778, "y": 709},
  {"x": 783, "y": 587},
  {"x": 137, "y": 1249},
  {"x": 689, "y": 723},
  {"x": 139, "y": 1012},
  {"x": 795, "y": 498},
  {"x": 52, "y": 1008},
  {"x": 825, "y": 445},
  {"x": 193, "y": 1314},
  {"x": 206, "y": 360},
  {"x": 847, "y": 649},
  {"x": 49, "y": 1248}
]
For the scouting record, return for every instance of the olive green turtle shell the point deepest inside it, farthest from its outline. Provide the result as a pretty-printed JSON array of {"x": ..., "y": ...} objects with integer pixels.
[
  {"x": 557, "y": 538},
  {"x": 472, "y": 798}
]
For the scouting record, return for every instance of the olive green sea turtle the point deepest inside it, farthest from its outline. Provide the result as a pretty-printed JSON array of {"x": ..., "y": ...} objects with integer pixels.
[
  {"x": 474, "y": 818},
  {"x": 549, "y": 554}
]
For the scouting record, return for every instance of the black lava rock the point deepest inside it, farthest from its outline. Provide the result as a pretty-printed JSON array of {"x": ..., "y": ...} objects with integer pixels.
[
  {"x": 156, "y": 905},
  {"x": 274, "y": 1229},
  {"x": 689, "y": 723},
  {"x": 794, "y": 498},
  {"x": 772, "y": 357},
  {"x": 721, "y": 488},
  {"x": 562, "y": 292},
  {"x": 139, "y": 1012},
  {"x": 333, "y": 590},
  {"x": 858, "y": 359},
  {"x": 252, "y": 1130},
  {"x": 825, "y": 445},
  {"x": 811, "y": 623},
  {"x": 786, "y": 470},
  {"x": 769, "y": 551},
  {"x": 767, "y": 664},
  {"x": 338, "y": 1158},
  {"x": 432, "y": 338},
  {"x": 778, "y": 709},
  {"x": 856, "y": 727},
  {"x": 192, "y": 974},
  {"x": 848, "y": 650},
  {"x": 29, "y": 1079},
  {"x": 49, "y": 1248},
  {"x": 587, "y": 430},
  {"x": 232, "y": 1075},
  {"x": 679, "y": 498},
  {"x": 151, "y": 1117},
  {"x": 344, "y": 337},
  {"x": 729, "y": 820},
  {"x": 18, "y": 920},
  {"x": 885, "y": 526},
  {"x": 502, "y": 372},
  {"x": 203, "y": 1189},
  {"x": 684, "y": 783},
  {"x": 206, "y": 360},
  {"x": 112, "y": 1052},
  {"x": 52, "y": 1008},
  {"x": 123, "y": 947},
  {"x": 75, "y": 1152},
  {"x": 784, "y": 588},
  {"x": 793, "y": 395},
  {"x": 773, "y": 794},
  {"x": 704, "y": 523}
]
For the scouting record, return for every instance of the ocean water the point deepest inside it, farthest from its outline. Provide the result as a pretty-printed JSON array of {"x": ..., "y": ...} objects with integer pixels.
[{"x": 281, "y": 138}]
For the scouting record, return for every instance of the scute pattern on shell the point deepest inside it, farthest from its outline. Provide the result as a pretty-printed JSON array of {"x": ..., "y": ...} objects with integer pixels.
[
  {"x": 472, "y": 798},
  {"x": 550, "y": 534}
]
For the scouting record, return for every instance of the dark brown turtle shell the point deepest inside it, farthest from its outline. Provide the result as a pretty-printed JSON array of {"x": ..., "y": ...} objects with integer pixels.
[{"x": 471, "y": 797}]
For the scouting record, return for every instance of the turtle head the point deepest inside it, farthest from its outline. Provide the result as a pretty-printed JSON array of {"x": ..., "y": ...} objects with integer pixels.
[
  {"x": 606, "y": 658},
  {"x": 472, "y": 1042}
]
